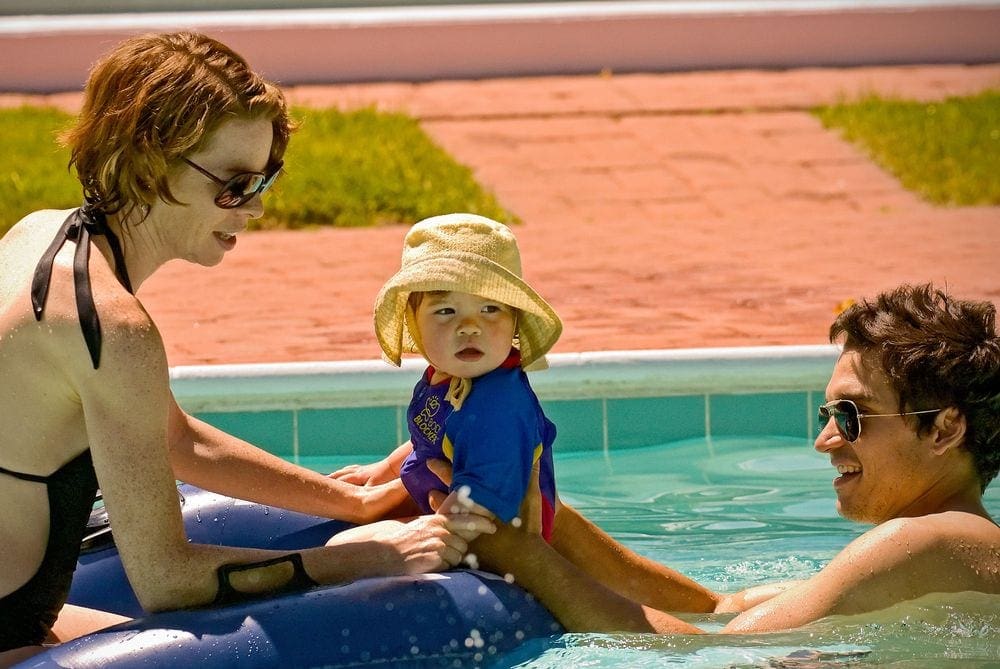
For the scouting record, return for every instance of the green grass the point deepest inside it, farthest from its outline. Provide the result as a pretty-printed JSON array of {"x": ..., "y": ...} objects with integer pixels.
[
  {"x": 33, "y": 173},
  {"x": 948, "y": 152},
  {"x": 344, "y": 169},
  {"x": 367, "y": 167}
]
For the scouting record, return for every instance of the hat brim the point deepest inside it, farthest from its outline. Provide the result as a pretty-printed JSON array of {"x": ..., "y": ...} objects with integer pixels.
[{"x": 538, "y": 325}]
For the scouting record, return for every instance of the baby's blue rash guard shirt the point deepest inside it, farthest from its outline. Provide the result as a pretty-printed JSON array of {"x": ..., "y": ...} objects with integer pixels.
[{"x": 492, "y": 442}]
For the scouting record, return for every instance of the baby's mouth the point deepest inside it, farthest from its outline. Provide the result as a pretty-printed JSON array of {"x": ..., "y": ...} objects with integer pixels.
[{"x": 469, "y": 354}]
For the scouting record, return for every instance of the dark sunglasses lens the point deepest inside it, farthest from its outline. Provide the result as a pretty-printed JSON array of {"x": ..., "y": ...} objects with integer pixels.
[
  {"x": 846, "y": 416},
  {"x": 239, "y": 190}
]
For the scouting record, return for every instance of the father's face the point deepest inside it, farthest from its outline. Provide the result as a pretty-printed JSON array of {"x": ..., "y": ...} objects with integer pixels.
[{"x": 886, "y": 471}]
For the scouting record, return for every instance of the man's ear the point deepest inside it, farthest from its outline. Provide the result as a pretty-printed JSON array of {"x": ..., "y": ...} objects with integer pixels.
[{"x": 949, "y": 430}]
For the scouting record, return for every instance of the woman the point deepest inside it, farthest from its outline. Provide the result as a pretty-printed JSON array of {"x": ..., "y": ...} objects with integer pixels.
[{"x": 176, "y": 143}]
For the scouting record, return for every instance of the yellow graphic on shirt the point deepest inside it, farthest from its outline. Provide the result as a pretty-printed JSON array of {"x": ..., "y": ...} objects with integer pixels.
[{"x": 425, "y": 422}]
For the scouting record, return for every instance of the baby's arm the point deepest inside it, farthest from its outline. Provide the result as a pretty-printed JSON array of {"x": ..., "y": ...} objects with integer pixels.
[{"x": 494, "y": 442}]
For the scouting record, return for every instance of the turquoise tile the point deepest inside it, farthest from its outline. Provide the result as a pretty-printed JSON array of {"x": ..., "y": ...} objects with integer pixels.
[
  {"x": 760, "y": 414},
  {"x": 579, "y": 424},
  {"x": 647, "y": 421},
  {"x": 368, "y": 431},
  {"x": 271, "y": 430},
  {"x": 816, "y": 397}
]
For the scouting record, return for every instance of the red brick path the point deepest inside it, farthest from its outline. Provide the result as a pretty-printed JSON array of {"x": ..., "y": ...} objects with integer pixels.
[{"x": 660, "y": 211}]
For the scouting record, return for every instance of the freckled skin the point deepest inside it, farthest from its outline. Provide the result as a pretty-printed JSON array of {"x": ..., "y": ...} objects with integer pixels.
[{"x": 55, "y": 406}]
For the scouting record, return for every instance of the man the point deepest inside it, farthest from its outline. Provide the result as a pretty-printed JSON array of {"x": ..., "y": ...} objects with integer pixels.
[{"x": 912, "y": 425}]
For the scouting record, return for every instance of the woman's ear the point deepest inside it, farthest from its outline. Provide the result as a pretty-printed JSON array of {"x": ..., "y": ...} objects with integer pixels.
[{"x": 949, "y": 430}]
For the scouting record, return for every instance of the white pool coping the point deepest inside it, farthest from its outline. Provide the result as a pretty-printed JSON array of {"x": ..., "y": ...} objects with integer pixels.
[
  {"x": 588, "y": 375},
  {"x": 298, "y": 46}
]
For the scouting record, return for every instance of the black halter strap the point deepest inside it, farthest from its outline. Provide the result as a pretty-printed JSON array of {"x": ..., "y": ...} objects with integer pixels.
[{"x": 79, "y": 226}]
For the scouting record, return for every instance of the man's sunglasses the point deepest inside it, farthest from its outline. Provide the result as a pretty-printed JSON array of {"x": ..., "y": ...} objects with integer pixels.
[
  {"x": 241, "y": 188},
  {"x": 845, "y": 413}
]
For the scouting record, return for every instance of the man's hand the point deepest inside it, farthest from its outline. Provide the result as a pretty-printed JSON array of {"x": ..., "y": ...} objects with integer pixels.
[{"x": 737, "y": 602}]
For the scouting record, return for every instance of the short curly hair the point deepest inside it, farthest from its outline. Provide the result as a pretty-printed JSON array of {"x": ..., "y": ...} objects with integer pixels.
[
  {"x": 151, "y": 100},
  {"x": 937, "y": 352}
]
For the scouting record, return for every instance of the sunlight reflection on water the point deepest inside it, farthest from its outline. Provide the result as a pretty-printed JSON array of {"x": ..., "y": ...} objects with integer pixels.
[{"x": 737, "y": 512}]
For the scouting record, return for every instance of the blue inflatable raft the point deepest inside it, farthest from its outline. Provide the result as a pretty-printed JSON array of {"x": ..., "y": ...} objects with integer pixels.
[{"x": 454, "y": 619}]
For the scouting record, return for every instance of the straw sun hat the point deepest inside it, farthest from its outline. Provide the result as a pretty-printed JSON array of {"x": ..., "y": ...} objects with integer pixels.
[{"x": 469, "y": 254}]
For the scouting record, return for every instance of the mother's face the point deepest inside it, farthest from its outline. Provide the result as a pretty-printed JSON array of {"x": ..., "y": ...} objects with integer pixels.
[{"x": 198, "y": 230}]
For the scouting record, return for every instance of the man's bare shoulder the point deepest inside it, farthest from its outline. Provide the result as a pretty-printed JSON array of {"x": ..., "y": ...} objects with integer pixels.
[
  {"x": 963, "y": 548},
  {"x": 942, "y": 528}
]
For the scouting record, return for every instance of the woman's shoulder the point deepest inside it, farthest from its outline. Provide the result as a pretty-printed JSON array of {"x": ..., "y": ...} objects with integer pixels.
[
  {"x": 123, "y": 320},
  {"x": 37, "y": 229},
  {"x": 20, "y": 249},
  {"x": 37, "y": 222}
]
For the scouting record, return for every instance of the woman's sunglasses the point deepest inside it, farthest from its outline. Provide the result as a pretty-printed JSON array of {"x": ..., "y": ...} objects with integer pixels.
[
  {"x": 845, "y": 413},
  {"x": 241, "y": 188}
]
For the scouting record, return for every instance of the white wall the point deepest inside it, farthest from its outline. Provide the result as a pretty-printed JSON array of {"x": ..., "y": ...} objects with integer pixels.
[{"x": 53, "y": 53}]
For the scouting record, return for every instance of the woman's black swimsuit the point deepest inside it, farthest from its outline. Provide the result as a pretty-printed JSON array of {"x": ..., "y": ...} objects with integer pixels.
[{"x": 27, "y": 614}]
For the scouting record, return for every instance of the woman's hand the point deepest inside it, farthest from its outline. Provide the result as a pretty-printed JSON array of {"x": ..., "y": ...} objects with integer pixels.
[{"x": 423, "y": 544}]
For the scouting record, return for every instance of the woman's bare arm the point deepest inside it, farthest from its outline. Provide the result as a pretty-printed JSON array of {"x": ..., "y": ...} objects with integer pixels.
[
  {"x": 206, "y": 456},
  {"x": 127, "y": 406}
]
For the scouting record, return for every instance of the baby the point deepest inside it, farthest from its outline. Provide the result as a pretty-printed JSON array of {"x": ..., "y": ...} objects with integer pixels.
[{"x": 459, "y": 300}]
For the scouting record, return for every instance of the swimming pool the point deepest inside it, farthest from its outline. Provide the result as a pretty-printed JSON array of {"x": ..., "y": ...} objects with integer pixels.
[
  {"x": 699, "y": 459},
  {"x": 733, "y": 512}
]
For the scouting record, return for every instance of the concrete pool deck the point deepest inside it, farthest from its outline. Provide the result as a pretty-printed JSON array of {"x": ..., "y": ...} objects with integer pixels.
[{"x": 659, "y": 211}]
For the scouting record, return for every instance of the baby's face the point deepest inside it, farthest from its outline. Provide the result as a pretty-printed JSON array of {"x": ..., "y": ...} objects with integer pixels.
[{"x": 464, "y": 335}]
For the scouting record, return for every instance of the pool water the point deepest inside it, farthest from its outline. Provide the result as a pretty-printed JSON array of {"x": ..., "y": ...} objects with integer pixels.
[{"x": 737, "y": 512}]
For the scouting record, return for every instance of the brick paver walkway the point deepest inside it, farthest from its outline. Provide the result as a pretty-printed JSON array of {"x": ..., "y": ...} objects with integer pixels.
[{"x": 660, "y": 211}]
